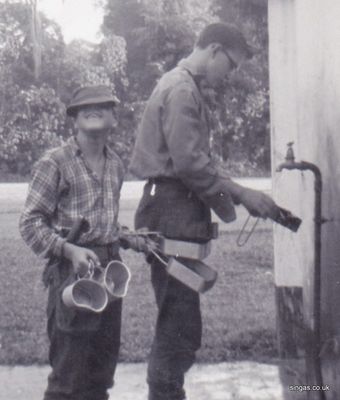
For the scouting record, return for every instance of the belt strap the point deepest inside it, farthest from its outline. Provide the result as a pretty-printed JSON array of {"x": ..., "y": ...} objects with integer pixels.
[
  {"x": 104, "y": 251},
  {"x": 164, "y": 179},
  {"x": 169, "y": 181}
]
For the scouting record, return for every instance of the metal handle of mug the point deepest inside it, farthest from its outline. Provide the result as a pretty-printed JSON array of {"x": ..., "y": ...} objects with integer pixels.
[{"x": 90, "y": 270}]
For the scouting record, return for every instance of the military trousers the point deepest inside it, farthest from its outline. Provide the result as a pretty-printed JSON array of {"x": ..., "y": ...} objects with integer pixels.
[{"x": 169, "y": 207}]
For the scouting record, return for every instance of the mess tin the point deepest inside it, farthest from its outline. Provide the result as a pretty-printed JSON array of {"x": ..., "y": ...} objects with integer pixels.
[
  {"x": 99, "y": 286},
  {"x": 115, "y": 279},
  {"x": 193, "y": 273},
  {"x": 85, "y": 294}
]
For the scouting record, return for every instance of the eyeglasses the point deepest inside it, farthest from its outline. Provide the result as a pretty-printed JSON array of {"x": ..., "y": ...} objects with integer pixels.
[{"x": 233, "y": 64}]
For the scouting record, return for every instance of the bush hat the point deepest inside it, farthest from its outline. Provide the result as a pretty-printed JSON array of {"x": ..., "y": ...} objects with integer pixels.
[{"x": 87, "y": 95}]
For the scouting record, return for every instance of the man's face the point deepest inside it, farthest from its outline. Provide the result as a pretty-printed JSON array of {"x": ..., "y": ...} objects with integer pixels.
[
  {"x": 221, "y": 63},
  {"x": 95, "y": 117}
]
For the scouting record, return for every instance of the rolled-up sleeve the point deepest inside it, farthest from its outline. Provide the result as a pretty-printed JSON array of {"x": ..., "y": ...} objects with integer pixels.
[
  {"x": 35, "y": 221},
  {"x": 188, "y": 144}
]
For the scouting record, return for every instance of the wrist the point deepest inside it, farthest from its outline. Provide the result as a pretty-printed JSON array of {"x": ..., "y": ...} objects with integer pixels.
[
  {"x": 67, "y": 250},
  {"x": 237, "y": 193}
]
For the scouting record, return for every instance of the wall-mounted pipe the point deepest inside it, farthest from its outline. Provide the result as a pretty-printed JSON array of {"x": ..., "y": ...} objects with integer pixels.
[{"x": 291, "y": 164}]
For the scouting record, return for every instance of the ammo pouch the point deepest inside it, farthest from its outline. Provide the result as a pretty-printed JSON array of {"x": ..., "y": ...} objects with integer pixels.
[{"x": 171, "y": 208}]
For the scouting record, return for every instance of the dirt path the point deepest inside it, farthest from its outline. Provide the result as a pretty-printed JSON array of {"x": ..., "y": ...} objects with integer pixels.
[{"x": 225, "y": 381}]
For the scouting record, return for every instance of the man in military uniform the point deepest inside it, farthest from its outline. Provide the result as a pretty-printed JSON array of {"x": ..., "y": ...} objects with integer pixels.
[{"x": 172, "y": 153}]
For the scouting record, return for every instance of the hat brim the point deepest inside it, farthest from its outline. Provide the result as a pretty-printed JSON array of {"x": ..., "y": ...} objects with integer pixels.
[{"x": 72, "y": 109}]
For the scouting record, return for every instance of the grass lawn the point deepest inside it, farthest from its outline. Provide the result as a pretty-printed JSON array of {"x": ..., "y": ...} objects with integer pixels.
[{"x": 238, "y": 313}]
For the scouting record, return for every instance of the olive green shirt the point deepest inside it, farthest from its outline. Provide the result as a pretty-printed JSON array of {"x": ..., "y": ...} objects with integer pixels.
[{"x": 174, "y": 140}]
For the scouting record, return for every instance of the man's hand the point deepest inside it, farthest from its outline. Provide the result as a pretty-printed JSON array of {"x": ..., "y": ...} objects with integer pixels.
[
  {"x": 258, "y": 204},
  {"x": 80, "y": 257},
  {"x": 138, "y": 241}
]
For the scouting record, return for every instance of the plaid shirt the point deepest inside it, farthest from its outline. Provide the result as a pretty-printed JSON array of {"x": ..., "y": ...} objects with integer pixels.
[{"x": 63, "y": 187}]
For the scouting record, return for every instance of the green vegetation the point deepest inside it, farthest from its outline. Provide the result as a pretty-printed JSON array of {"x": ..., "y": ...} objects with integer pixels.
[{"x": 141, "y": 40}]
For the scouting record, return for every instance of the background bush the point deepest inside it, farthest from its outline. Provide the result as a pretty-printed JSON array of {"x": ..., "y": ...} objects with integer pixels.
[{"x": 141, "y": 40}]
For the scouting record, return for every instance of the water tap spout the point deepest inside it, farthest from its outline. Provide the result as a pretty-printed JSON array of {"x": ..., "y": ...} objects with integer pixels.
[{"x": 290, "y": 163}]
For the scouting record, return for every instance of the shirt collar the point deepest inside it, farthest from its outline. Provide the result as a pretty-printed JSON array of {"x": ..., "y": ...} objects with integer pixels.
[
  {"x": 72, "y": 142},
  {"x": 192, "y": 70},
  {"x": 76, "y": 150}
]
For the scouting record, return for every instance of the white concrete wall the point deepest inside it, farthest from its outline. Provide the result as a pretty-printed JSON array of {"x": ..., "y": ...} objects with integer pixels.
[{"x": 305, "y": 108}]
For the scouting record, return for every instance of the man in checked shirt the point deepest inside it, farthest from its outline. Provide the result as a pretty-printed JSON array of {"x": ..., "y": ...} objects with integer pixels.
[
  {"x": 172, "y": 152},
  {"x": 81, "y": 178}
]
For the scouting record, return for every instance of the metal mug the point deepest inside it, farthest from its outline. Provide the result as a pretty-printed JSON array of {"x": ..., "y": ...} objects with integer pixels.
[
  {"x": 86, "y": 294},
  {"x": 115, "y": 278}
]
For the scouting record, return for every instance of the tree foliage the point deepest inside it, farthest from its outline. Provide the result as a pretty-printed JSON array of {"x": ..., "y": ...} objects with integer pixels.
[
  {"x": 159, "y": 33},
  {"x": 34, "y": 124},
  {"x": 142, "y": 40},
  {"x": 31, "y": 113},
  {"x": 244, "y": 109}
]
